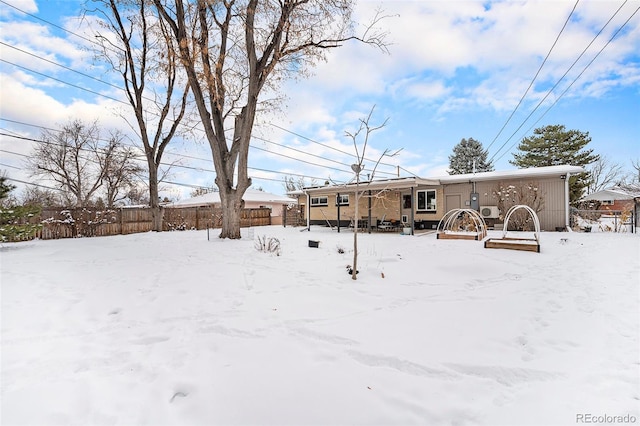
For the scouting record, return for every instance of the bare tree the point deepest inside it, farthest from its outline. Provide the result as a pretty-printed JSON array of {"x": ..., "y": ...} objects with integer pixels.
[
  {"x": 137, "y": 196},
  {"x": 636, "y": 168},
  {"x": 365, "y": 129},
  {"x": 528, "y": 194},
  {"x": 604, "y": 174},
  {"x": 73, "y": 159},
  {"x": 201, "y": 191},
  {"x": 233, "y": 49},
  {"x": 35, "y": 196},
  {"x": 291, "y": 184},
  {"x": 138, "y": 47},
  {"x": 122, "y": 169}
]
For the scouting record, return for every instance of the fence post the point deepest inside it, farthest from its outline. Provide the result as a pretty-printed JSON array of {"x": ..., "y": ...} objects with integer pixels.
[
  {"x": 121, "y": 220},
  {"x": 284, "y": 215}
]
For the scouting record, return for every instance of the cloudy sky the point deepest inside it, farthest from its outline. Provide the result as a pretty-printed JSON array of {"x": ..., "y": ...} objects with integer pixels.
[{"x": 455, "y": 69}]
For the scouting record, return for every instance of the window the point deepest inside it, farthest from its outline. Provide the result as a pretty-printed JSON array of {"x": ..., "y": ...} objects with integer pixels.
[
  {"x": 606, "y": 202},
  {"x": 343, "y": 200},
  {"x": 406, "y": 201},
  {"x": 319, "y": 201},
  {"x": 427, "y": 200}
]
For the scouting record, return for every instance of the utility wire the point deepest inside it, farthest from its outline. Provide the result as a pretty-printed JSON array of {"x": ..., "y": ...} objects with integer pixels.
[
  {"x": 64, "y": 82},
  {"x": 51, "y": 23},
  {"x": 199, "y": 169},
  {"x": 550, "y": 91},
  {"x": 63, "y": 66},
  {"x": 578, "y": 77},
  {"x": 33, "y": 184},
  {"x": 9, "y": 165},
  {"x": 120, "y": 88},
  {"x": 142, "y": 158},
  {"x": 535, "y": 76},
  {"x": 351, "y": 154}
]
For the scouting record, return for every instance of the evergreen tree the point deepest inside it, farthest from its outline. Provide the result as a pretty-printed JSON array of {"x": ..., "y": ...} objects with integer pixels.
[
  {"x": 5, "y": 188},
  {"x": 553, "y": 145},
  {"x": 469, "y": 156},
  {"x": 15, "y": 222}
]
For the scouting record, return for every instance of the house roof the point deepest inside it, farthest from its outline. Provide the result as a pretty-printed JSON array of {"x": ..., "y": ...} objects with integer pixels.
[
  {"x": 410, "y": 182},
  {"x": 250, "y": 195},
  {"x": 612, "y": 194},
  {"x": 375, "y": 185},
  {"x": 532, "y": 172}
]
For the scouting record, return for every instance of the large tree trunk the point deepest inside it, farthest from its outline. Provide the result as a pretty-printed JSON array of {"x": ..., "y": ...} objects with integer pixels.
[
  {"x": 232, "y": 205},
  {"x": 154, "y": 201}
]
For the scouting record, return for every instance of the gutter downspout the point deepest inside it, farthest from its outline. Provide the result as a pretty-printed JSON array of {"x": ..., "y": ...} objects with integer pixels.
[
  {"x": 338, "y": 202},
  {"x": 308, "y": 211},
  {"x": 566, "y": 202},
  {"x": 413, "y": 219}
]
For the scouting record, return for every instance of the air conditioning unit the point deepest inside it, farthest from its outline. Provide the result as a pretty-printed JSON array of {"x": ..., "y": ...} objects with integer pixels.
[{"x": 489, "y": 212}]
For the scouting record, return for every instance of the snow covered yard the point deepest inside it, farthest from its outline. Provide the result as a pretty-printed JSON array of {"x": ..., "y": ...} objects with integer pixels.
[{"x": 171, "y": 328}]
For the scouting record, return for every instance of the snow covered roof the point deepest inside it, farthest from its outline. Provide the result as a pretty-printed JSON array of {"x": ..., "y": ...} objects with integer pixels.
[
  {"x": 611, "y": 194},
  {"x": 531, "y": 172},
  {"x": 251, "y": 195},
  {"x": 408, "y": 182},
  {"x": 376, "y": 185}
]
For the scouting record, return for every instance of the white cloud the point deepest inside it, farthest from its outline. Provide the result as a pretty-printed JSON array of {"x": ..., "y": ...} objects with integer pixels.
[{"x": 28, "y": 6}]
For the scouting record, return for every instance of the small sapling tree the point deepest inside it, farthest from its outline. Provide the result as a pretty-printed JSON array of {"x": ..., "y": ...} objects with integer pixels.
[{"x": 364, "y": 131}]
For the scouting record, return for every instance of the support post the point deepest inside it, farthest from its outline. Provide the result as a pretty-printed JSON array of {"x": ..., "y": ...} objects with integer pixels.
[
  {"x": 567, "y": 223},
  {"x": 369, "y": 212},
  {"x": 413, "y": 221},
  {"x": 338, "y": 202}
]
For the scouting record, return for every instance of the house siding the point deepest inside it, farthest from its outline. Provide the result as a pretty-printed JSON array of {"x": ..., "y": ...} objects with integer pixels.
[
  {"x": 552, "y": 215},
  {"x": 389, "y": 204},
  {"x": 385, "y": 204}
]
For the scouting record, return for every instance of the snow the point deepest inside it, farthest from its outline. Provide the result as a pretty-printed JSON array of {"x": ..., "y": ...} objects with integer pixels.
[{"x": 169, "y": 328}]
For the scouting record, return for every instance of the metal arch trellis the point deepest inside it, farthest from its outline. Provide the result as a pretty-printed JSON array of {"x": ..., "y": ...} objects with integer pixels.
[
  {"x": 532, "y": 213},
  {"x": 445, "y": 226},
  {"x": 526, "y": 244}
]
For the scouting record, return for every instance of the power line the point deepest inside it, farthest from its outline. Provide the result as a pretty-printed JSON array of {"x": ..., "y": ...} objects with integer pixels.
[
  {"x": 9, "y": 165},
  {"x": 535, "y": 76},
  {"x": 50, "y": 23},
  {"x": 199, "y": 169},
  {"x": 565, "y": 74},
  {"x": 63, "y": 82},
  {"x": 578, "y": 76},
  {"x": 62, "y": 66},
  {"x": 141, "y": 157},
  {"x": 326, "y": 146},
  {"x": 125, "y": 103}
]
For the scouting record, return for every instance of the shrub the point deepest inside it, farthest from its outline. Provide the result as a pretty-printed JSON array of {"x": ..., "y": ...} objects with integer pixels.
[{"x": 267, "y": 245}]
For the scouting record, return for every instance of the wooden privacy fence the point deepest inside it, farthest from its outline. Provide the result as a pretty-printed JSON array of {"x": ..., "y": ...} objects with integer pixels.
[
  {"x": 87, "y": 222},
  {"x": 293, "y": 216},
  {"x": 210, "y": 217}
]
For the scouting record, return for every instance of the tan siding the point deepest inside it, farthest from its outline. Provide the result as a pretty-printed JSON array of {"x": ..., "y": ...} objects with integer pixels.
[
  {"x": 385, "y": 204},
  {"x": 389, "y": 204}
]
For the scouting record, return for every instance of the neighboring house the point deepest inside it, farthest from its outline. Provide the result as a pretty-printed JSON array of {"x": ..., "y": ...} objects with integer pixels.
[
  {"x": 421, "y": 202},
  {"x": 618, "y": 201},
  {"x": 614, "y": 199},
  {"x": 253, "y": 199}
]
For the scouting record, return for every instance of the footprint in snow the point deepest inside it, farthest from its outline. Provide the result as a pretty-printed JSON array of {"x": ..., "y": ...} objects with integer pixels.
[{"x": 178, "y": 394}]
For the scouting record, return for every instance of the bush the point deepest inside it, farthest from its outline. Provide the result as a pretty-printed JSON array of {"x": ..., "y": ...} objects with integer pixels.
[
  {"x": 267, "y": 245},
  {"x": 15, "y": 223}
]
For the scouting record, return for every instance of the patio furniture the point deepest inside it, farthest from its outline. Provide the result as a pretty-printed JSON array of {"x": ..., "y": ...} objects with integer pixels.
[{"x": 385, "y": 225}]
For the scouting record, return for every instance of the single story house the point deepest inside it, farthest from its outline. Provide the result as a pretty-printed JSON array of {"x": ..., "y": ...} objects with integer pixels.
[
  {"x": 614, "y": 199},
  {"x": 618, "y": 201},
  {"x": 420, "y": 203},
  {"x": 253, "y": 199}
]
